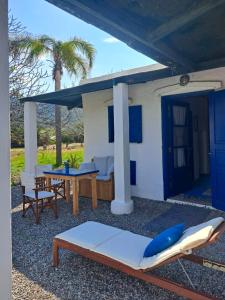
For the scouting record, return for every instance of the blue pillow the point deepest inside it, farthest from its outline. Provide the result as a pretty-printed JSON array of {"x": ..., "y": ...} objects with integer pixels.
[{"x": 164, "y": 240}]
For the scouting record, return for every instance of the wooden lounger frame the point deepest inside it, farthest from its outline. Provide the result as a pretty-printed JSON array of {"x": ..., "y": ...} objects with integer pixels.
[{"x": 146, "y": 275}]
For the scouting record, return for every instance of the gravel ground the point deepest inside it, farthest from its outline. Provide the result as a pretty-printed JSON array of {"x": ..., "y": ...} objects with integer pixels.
[{"x": 78, "y": 278}]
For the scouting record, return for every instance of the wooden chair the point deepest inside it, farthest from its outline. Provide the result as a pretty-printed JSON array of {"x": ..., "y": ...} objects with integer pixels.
[
  {"x": 108, "y": 248},
  {"x": 40, "y": 180},
  {"x": 39, "y": 198},
  {"x": 59, "y": 185}
]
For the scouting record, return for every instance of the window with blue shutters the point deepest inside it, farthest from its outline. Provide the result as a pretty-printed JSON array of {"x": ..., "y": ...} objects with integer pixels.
[{"x": 135, "y": 124}]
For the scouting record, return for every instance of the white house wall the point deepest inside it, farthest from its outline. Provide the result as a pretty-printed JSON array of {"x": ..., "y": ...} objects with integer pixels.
[
  {"x": 148, "y": 154},
  {"x": 96, "y": 124}
]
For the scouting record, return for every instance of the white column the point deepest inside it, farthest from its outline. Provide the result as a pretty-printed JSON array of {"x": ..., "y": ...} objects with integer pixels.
[
  {"x": 5, "y": 201},
  {"x": 30, "y": 140},
  {"x": 122, "y": 203}
]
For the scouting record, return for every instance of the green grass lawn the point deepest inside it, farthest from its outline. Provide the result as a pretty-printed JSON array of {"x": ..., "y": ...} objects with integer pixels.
[{"x": 44, "y": 157}]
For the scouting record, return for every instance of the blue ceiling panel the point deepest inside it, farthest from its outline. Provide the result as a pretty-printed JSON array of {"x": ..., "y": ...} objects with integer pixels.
[{"x": 186, "y": 35}]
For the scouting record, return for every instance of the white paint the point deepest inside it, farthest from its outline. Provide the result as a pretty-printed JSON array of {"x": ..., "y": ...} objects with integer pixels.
[
  {"x": 5, "y": 203},
  {"x": 122, "y": 203},
  {"x": 96, "y": 125},
  {"x": 189, "y": 88},
  {"x": 190, "y": 204},
  {"x": 152, "y": 67},
  {"x": 30, "y": 140},
  {"x": 109, "y": 102},
  {"x": 148, "y": 155}
]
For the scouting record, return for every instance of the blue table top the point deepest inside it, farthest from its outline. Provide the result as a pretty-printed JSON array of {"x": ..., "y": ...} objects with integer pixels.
[{"x": 72, "y": 172}]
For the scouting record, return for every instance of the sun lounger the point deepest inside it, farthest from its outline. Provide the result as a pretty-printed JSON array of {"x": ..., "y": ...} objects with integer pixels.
[{"x": 123, "y": 250}]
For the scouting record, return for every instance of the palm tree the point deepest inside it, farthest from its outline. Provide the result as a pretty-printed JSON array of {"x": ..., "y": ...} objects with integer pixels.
[{"x": 76, "y": 56}]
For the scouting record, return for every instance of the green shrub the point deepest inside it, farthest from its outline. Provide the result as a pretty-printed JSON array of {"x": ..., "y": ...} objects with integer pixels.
[{"x": 74, "y": 160}]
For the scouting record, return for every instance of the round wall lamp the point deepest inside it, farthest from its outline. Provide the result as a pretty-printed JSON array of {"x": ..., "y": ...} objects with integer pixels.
[{"x": 184, "y": 79}]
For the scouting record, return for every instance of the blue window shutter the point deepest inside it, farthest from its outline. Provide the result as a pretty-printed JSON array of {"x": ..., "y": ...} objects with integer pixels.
[
  {"x": 133, "y": 172},
  {"x": 111, "y": 124},
  {"x": 135, "y": 123}
]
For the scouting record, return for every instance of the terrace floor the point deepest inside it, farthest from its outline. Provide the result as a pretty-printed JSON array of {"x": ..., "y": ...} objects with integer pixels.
[{"x": 79, "y": 278}]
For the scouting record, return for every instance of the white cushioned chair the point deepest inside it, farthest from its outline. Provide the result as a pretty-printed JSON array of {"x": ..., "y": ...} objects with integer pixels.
[{"x": 105, "y": 178}]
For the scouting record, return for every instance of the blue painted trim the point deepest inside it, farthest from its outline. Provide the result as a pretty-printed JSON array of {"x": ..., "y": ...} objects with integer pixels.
[
  {"x": 110, "y": 124},
  {"x": 164, "y": 148},
  {"x": 72, "y": 97},
  {"x": 185, "y": 95},
  {"x": 114, "y": 82},
  {"x": 133, "y": 172},
  {"x": 135, "y": 124},
  {"x": 217, "y": 146},
  {"x": 72, "y": 172},
  {"x": 212, "y": 146},
  {"x": 166, "y": 134}
]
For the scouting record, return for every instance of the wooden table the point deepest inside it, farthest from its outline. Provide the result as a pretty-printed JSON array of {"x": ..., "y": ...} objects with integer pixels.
[{"x": 73, "y": 177}]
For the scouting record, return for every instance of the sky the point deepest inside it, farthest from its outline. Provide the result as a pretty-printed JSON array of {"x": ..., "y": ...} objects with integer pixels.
[{"x": 112, "y": 55}]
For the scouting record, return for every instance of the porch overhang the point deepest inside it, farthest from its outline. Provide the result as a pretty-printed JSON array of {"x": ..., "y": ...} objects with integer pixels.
[
  {"x": 186, "y": 35},
  {"x": 72, "y": 97}
]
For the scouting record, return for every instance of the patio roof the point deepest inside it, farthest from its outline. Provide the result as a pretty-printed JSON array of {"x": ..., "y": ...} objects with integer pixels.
[
  {"x": 187, "y": 35},
  {"x": 72, "y": 97}
]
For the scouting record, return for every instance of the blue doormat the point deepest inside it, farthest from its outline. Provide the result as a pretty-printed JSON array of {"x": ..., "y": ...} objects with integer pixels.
[
  {"x": 188, "y": 215},
  {"x": 201, "y": 189}
]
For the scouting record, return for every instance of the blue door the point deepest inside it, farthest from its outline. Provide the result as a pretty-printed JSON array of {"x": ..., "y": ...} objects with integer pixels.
[
  {"x": 217, "y": 147},
  {"x": 177, "y": 147}
]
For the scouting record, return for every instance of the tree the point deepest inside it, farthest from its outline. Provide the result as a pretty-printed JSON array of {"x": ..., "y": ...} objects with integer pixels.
[
  {"x": 26, "y": 78},
  {"x": 74, "y": 129},
  {"x": 75, "y": 56}
]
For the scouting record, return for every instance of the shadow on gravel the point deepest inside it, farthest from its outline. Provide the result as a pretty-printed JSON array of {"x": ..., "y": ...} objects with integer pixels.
[{"x": 175, "y": 215}]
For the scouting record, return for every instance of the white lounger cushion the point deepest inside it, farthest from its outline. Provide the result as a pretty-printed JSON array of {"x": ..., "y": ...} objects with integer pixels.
[
  {"x": 192, "y": 237},
  {"x": 128, "y": 248},
  {"x": 196, "y": 235},
  {"x": 89, "y": 234}
]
